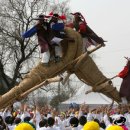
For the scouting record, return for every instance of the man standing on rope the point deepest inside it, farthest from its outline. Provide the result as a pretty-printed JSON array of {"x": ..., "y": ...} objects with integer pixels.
[
  {"x": 89, "y": 37},
  {"x": 57, "y": 29},
  {"x": 42, "y": 30},
  {"x": 125, "y": 85}
]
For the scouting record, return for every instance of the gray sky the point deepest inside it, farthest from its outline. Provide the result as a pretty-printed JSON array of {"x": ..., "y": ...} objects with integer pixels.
[{"x": 110, "y": 19}]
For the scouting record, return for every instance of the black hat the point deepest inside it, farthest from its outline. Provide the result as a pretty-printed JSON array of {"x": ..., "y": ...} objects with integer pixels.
[
  {"x": 119, "y": 120},
  {"x": 76, "y": 13},
  {"x": 74, "y": 122},
  {"x": 56, "y": 15}
]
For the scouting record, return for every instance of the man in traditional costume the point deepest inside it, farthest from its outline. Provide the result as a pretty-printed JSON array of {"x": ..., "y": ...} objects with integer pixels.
[
  {"x": 57, "y": 32},
  {"x": 42, "y": 30},
  {"x": 89, "y": 37}
]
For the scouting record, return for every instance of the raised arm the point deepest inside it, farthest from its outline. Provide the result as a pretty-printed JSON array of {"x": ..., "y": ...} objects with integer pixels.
[{"x": 30, "y": 32}]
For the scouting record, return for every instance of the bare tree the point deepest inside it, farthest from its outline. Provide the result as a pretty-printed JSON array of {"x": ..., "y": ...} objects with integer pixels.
[{"x": 17, "y": 55}]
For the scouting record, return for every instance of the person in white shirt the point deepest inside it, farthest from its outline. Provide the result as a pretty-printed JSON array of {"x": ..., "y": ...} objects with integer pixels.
[
  {"x": 25, "y": 112},
  {"x": 43, "y": 124},
  {"x": 82, "y": 122},
  {"x": 7, "y": 112},
  {"x": 17, "y": 121},
  {"x": 127, "y": 116},
  {"x": 74, "y": 123},
  {"x": 37, "y": 117},
  {"x": 51, "y": 123},
  {"x": 60, "y": 121},
  {"x": 107, "y": 120},
  {"x": 9, "y": 122}
]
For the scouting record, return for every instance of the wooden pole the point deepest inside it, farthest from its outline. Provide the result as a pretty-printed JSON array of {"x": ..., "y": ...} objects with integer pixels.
[
  {"x": 46, "y": 82},
  {"x": 22, "y": 96},
  {"x": 96, "y": 48}
]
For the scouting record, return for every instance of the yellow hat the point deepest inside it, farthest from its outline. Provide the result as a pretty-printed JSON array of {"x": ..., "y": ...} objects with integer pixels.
[
  {"x": 24, "y": 126},
  {"x": 114, "y": 127},
  {"x": 62, "y": 113},
  {"x": 14, "y": 114},
  {"x": 91, "y": 125},
  {"x": 77, "y": 112}
]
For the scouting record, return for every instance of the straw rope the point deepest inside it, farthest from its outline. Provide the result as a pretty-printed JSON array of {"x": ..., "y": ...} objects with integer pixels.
[{"x": 73, "y": 61}]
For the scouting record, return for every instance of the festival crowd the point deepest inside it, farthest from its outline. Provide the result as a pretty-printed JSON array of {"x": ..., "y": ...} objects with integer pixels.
[{"x": 76, "y": 117}]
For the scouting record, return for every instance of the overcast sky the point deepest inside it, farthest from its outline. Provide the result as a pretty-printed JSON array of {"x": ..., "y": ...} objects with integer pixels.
[{"x": 110, "y": 19}]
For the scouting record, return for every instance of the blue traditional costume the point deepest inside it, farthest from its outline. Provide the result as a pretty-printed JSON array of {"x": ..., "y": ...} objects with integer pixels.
[
  {"x": 42, "y": 31},
  {"x": 57, "y": 28}
]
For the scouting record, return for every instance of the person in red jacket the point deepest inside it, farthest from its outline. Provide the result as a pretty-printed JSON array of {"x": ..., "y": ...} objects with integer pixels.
[
  {"x": 89, "y": 37},
  {"x": 125, "y": 85}
]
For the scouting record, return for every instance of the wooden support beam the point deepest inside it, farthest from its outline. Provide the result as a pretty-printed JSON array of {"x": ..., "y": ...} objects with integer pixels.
[{"x": 46, "y": 82}]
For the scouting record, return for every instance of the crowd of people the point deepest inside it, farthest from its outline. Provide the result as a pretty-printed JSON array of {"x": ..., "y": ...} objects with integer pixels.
[{"x": 76, "y": 117}]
